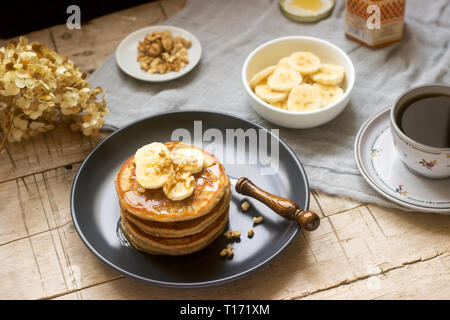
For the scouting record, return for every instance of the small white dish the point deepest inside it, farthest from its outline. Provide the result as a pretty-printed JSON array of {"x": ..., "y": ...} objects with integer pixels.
[
  {"x": 271, "y": 52},
  {"x": 382, "y": 168},
  {"x": 127, "y": 52}
]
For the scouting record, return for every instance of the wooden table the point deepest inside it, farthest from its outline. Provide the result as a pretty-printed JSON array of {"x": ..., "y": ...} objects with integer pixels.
[{"x": 360, "y": 251}]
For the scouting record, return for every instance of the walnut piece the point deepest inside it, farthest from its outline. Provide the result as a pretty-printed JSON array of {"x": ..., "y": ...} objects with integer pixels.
[
  {"x": 257, "y": 220},
  {"x": 228, "y": 252},
  {"x": 232, "y": 234},
  {"x": 160, "y": 52},
  {"x": 245, "y": 206}
]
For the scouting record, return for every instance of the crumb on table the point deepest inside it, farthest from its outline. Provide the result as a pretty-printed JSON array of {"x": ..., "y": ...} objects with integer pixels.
[{"x": 250, "y": 233}]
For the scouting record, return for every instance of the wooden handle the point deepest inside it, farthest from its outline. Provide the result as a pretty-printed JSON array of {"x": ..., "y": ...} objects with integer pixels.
[{"x": 286, "y": 208}]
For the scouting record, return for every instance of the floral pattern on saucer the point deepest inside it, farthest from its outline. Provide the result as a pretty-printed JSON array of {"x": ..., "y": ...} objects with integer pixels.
[
  {"x": 401, "y": 191},
  {"x": 375, "y": 152}
]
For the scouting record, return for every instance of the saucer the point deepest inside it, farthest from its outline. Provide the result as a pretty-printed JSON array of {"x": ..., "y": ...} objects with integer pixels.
[
  {"x": 126, "y": 54},
  {"x": 386, "y": 173}
]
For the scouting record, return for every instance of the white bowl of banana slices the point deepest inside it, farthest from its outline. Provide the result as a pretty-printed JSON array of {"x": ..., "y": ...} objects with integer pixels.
[{"x": 297, "y": 81}]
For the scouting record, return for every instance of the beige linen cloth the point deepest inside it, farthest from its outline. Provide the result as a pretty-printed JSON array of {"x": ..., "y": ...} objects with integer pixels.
[{"x": 230, "y": 30}]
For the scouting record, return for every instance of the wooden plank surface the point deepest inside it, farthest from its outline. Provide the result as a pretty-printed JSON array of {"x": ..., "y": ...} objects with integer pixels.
[
  {"x": 98, "y": 38},
  {"x": 338, "y": 254},
  {"x": 360, "y": 251},
  {"x": 53, "y": 149}
]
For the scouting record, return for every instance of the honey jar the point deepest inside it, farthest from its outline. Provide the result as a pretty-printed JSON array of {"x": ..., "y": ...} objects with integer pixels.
[{"x": 375, "y": 23}]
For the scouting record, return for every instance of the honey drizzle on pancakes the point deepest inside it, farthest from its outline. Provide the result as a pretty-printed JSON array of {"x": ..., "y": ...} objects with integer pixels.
[{"x": 155, "y": 200}]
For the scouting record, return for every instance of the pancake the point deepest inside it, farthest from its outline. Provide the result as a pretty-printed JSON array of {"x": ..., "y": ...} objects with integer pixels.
[
  {"x": 157, "y": 225},
  {"x": 180, "y": 228},
  {"x": 174, "y": 246},
  {"x": 152, "y": 204}
]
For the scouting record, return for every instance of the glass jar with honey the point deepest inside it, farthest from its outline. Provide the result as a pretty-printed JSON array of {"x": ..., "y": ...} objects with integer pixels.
[{"x": 306, "y": 10}]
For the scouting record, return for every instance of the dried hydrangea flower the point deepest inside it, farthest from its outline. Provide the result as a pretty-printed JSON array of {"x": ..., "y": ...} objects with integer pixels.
[{"x": 39, "y": 87}]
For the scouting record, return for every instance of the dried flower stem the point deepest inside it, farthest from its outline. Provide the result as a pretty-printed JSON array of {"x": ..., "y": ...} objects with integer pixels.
[{"x": 7, "y": 126}]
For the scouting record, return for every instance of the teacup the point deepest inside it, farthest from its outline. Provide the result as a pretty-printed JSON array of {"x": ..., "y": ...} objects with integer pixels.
[{"x": 426, "y": 160}]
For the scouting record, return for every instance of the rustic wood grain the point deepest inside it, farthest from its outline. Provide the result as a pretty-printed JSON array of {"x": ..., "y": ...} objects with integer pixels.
[
  {"x": 170, "y": 7},
  {"x": 335, "y": 204},
  {"x": 23, "y": 210},
  {"x": 349, "y": 247},
  {"x": 98, "y": 38},
  {"x": 360, "y": 251},
  {"x": 77, "y": 255},
  {"x": 428, "y": 279},
  {"x": 31, "y": 268},
  {"x": 314, "y": 205},
  {"x": 70, "y": 296},
  {"x": 42, "y": 36},
  {"x": 41, "y": 229},
  {"x": 53, "y": 149}
]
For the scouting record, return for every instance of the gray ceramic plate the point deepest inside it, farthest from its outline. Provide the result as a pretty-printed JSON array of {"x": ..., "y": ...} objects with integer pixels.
[{"x": 95, "y": 208}]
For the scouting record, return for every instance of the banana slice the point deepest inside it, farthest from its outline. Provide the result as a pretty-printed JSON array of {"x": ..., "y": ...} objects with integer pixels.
[
  {"x": 153, "y": 166},
  {"x": 260, "y": 76},
  {"x": 329, "y": 94},
  {"x": 188, "y": 159},
  {"x": 179, "y": 186},
  {"x": 329, "y": 74},
  {"x": 283, "y": 79},
  {"x": 304, "y": 62},
  {"x": 280, "y": 104},
  {"x": 304, "y": 98},
  {"x": 264, "y": 92},
  {"x": 284, "y": 62}
]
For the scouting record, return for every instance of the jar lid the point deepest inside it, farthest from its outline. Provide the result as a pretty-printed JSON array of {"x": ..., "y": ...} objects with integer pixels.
[{"x": 306, "y": 10}]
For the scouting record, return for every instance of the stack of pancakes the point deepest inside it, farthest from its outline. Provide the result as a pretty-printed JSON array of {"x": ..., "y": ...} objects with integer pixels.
[{"x": 157, "y": 225}]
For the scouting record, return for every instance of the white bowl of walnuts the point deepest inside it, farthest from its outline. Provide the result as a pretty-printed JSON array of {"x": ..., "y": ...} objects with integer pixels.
[
  {"x": 158, "y": 53},
  {"x": 298, "y": 82}
]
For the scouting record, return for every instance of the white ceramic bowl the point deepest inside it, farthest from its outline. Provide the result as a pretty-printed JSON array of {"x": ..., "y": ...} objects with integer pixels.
[{"x": 271, "y": 52}]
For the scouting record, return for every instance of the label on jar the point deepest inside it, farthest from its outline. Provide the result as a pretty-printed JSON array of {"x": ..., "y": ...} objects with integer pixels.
[{"x": 375, "y": 22}]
